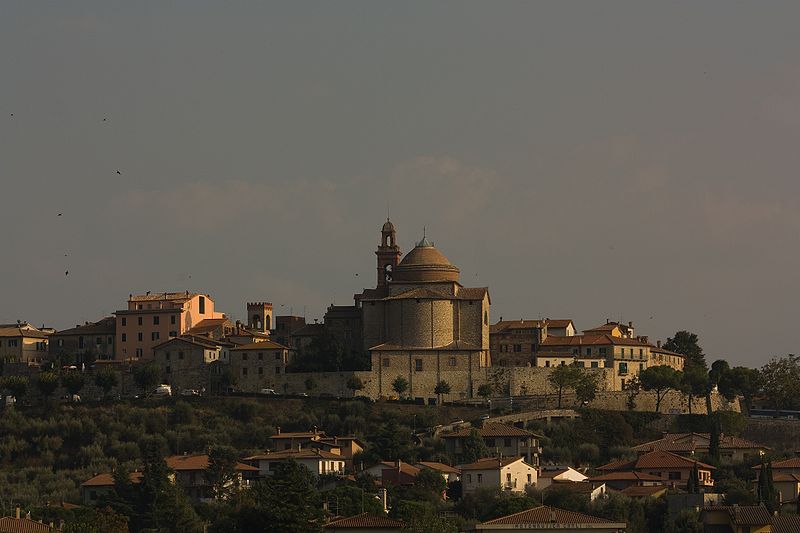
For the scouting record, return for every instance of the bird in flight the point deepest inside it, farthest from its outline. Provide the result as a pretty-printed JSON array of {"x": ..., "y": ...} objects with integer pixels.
[
  {"x": 60, "y": 214},
  {"x": 66, "y": 273},
  {"x": 104, "y": 119},
  {"x": 118, "y": 172}
]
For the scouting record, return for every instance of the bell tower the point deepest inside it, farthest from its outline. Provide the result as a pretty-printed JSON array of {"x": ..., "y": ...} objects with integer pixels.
[
  {"x": 388, "y": 254},
  {"x": 259, "y": 316}
]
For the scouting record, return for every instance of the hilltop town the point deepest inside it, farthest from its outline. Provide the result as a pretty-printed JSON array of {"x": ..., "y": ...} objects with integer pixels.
[{"x": 410, "y": 410}]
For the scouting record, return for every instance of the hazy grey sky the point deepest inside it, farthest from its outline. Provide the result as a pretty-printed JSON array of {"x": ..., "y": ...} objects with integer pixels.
[{"x": 588, "y": 160}]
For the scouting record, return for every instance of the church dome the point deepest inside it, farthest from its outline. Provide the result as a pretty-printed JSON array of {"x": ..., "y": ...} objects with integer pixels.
[
  {"x": 425, "y": 263},
  {"x": 388, "y": 226}
]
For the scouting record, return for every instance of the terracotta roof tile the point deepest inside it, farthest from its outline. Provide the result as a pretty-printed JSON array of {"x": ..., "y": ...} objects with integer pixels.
[
  {"x": 656, "y": 459},
  {"x": 548, "y": 515},
  {"x": 492, "y": 429},
  {"x": 365, "y": 521},
  {"x": 440, "y": 467},
  {"x": 684, "y": 442},
  {"x": 786, "y": 524},
  {"x": 23, "y": 525},
  {"x": 198, "y": 462},
  {"x": 163, "y": 296},
  {"x": 305, "y": 453},
  {"x": 105, "y": 326},
  {"x": 592, "y": 340},
  {"x": 626, "y": 475},
  {"x": 640, "y": 491},
  {"x": 263, "y": 345},
  {"x": 106, "y": 479},
  {"x": 744, "y": 515},
  {"x": 490, "y": 463}
]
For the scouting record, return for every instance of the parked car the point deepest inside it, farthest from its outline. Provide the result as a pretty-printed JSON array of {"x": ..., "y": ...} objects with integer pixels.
[
  {"x": 268, "y": 391},
  {"x": 190, "y": 392},
  {"x": 163, "y": 390}
]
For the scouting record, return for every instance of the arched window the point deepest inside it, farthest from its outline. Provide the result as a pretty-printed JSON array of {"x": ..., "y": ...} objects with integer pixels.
[
  {"x": 256, "y": 322},
  {"x": 486, "y": 318}
]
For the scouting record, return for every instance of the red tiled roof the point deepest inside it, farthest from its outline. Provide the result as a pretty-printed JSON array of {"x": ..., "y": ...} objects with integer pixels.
[
  {"x": 405, "y": 468},
  {"x": 198, "y": 462},
  {"x": 298, "y": 435},
  {"x": 490, "y": 463},
  {"x": 592, "y": 340},
  {"x": 578, "y": 487},
  {"x": 548, "y": 515},
  {"x": 794, "y": 462},
  {"x": 163, "y": 296},
  {"x": 441, "y": 467},
  {"x": 656, "y": 459},
  {"x": 786, "y": 524},
  {"x": 365, "y": 521},
  {"x": 492, "y": 429},
  {"x": 635, "y": 491},
  {"x": 23, "y": 525},
  {"x": 626, "y": 475},
  {"x": 263, "y": 345},
  {"x": 675, "y": 442},
  {"x": 106, "y": 479},
  {"x": 744, "y": 515},
  {"x": 504, "y": 325},
  {"x": 305, "y": 453}
]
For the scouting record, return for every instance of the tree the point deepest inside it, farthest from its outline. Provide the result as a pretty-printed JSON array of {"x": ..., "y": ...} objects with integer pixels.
[
  {"x": 660, "y": 379},
  {"x": 687, "y": 344},
  {"x": 564, "y": 377},
  {"x": 16, "y": 385},
  {"x": 354, "y": 383},
  {"x": 442, "y": 387},
  {"x": 782, "y": 382},
  {"x": 765, "y": 490},
  {"x": 694, "y": 383},
  {"x": 743, "y": 381},
  {"x": 586, "y": 388},
  {"x": 484, "y": 391},
  {"x": 632, "y": 389},
  {"x": 47, "y": 383},
  {"x": 350, "y": 501},
  {"x": 713, "y": 446},
  {"x": 400, "y": 386},
  {"x": 221, "y": 473},
  {"x": 286, "y": 501},
  {"x": 146, "y": 376},
  {"x": 693, "y": 483},
  {"x": 106, "y": 379},
  {"x": 719, "y": 369},
  {"x": 73, "y": 382},
  {"x": 421, "y": 517},
  {"x": 105, "y": 520},
  {"x": 473, "y": 447}
]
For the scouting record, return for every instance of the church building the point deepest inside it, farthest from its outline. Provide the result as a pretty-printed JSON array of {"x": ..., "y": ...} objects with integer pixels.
[{"x": 421, "y": 324}]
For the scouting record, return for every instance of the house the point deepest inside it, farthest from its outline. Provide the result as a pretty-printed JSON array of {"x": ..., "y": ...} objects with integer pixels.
[
  {"x": 644, "y": 491},
  {"x": 98, "y": 488},
  {"x": 188, "y": 362},
  {"x": 501, "y": 440},
  {"x": 449, "y": 473},
  {"x": 23, "y": 343},
  {"x": 591, "y": 491},
  {"x": 212, "y": 328},
  {"x": 190, "y": 474},
  {"x": 319, "y": 462},
  {"x": 736, "y": 519},
  {"x": 84, "y": 343},
  {"x": 394, "y": 472},
  {"x": 515, "y": 342},
  {"x": 364, "y": 523},
  {"x": 785, "y": 478},
  {"x": 20, "y": 524},
  {"x": 348, "y": 445},
  {"x": 303, "y": 337},
  {"x": 672, "y": 469},
  {"x": 544, "y": 519},
  {"x": 259, "y": 365},
  {"x": 731, "y": 448},
  {"x": 558, "y": 474},
  {"x": 621, "y": 480},
  {"x": 787, "y": 466},
  {"x": 285, "y": 326},
  {"x": 288, "y": 440},
  {"x": 509, "y": 474},
  {"x": 152, "y": 318}
]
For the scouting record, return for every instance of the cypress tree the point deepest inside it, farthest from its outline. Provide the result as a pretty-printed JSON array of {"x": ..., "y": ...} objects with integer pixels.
[
  {"x": 771, "y": 499},
  {"x": 713, "y": 446},
  {"x": 761, "y": 489}
]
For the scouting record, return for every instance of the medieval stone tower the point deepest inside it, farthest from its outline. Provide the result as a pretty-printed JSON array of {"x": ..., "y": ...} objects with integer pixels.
[
  {"x": 388, "y": 254},
  {"x": 259, "y": 316}
]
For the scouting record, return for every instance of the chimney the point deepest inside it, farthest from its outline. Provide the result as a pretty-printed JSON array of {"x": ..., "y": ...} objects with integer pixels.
[
  {"x": 383, "y": 493},
  {"x": 16, "y": 514},
  {"x": 658, "y": 344},
  {"x": 399, "y": 464}
]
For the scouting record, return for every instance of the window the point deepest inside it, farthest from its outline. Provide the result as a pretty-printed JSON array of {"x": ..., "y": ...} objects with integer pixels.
[
  {"x": 641, "y": 352},
  {"x": 124, "y": 321},
  {"x": 80, "y": 342},
  {"x": 261, "y": 371},
  {"x": 154, "y": 336},
  {"x": 601, "y": 351},
  {"x": 140, "y": 320},
  {"x": 480, "y": 476},
  {"x": 166, "y": 356},
  {"x": 277, "y": 370},
  {"x": 277, "y": 356},
  {"x": 244, "y": 357},
  {"x": 140, "y": 336},
  {"x": 180, "y": 355},
  {"x": 508, "y": 478},
  {"x": 533, "y": 348},
  {"x": 98, "y": 341},
  {"x": 156, "y": 320},
  {"x": 594, "y": 364},
  {"x": 418, "y": 365},
  {"x": 139, "y": 306},
  {"x": 172, "y": 319},
  {"x": 452, "y": 361},
  {"x": 517, "y": 348},
  {"x": 173, "y": 333},
  {"x": 469, "y": 478},
  {"x": 124, "y": 337},
  {"x": 60, "y": 343},
  {"x": 580, "y": 364},
  {"x": 202, "y": 305},
  {"x": 529, "y": 479},
  {"x": 260, "y": 356},
  {"x": 547, "y": 363},
  {"x": 489, "y": 443},
  {"x": 623, "y": 368},
  {"x": 588, "y": 351},
  {"x": 574, "y": 351},
  {"x": 563, "y": 363},
  {"x": 139, "y": 352},
  {"x": 244, "y": 371},
  {"x": 386, "y": 362},
  {"x": 641, "y": 366},
  {"x": 507, "y": 443},
  {"x": 674, "y": 475},
  {"x": 111, "y": 340},
  {"x": 486, "y": 318}
]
